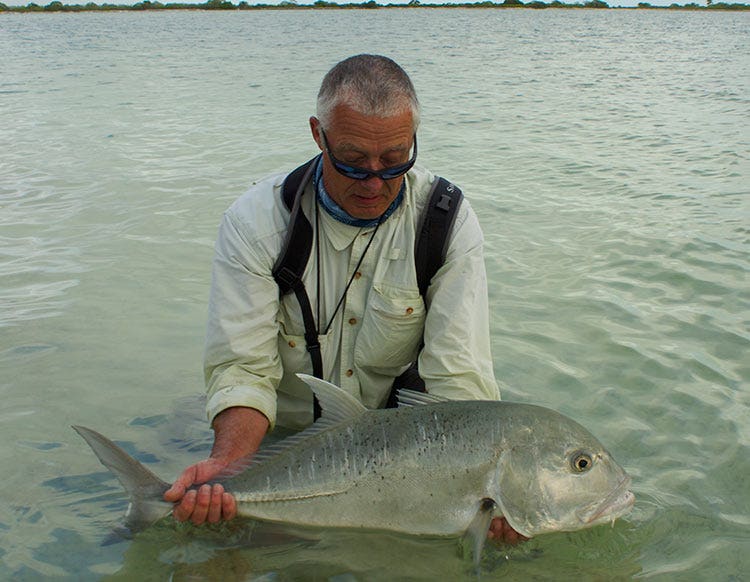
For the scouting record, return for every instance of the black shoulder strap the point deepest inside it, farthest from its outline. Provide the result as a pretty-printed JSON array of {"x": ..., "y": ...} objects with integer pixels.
[
  {"x": 434, "y": 232},
  {"x": 290, "y": 266},
  {"x": 295, "y": 252}
]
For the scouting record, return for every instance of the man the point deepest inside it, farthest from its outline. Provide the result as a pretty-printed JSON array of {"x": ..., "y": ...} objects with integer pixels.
[{"x": 364, "y": 203}]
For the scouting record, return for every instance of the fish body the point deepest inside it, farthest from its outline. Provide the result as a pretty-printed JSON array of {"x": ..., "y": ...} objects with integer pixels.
[
  {"x": 415, "y": 470},
  {"x": 429, "y": 467}
]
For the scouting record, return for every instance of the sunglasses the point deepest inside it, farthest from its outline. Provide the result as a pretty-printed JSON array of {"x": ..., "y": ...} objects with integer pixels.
[{"x": 356, "y": 173}]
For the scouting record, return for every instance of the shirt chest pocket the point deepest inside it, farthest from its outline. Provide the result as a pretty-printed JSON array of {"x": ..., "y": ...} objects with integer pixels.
[{"x": 392, "y": 328}]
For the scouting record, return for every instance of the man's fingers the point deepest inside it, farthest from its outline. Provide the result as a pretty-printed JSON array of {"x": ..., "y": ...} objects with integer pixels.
[
  {"x": 202, "y": 503},
  {"x": 228, "y": 506},
  {"x": 174, "y": 493},
  {"x": 181, "y": 484},
  {"x": 214, "y": 509},
  {"x": 185, "y": 508},
  {"x": 501, "y": 531}
]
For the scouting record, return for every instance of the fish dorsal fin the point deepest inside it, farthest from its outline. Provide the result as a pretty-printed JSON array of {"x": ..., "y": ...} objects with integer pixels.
[
  {"x": 413, "y": 398},
  {"x": 337, "y": 407},
  {"x": 336, "y": 404}
]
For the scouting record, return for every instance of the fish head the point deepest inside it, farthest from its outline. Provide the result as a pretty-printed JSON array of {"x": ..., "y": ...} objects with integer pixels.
[{"x": 556, "y": 476}]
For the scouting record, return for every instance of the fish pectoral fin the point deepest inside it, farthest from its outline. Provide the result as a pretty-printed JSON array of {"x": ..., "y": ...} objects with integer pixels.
[{"x": 479, "y": 526}]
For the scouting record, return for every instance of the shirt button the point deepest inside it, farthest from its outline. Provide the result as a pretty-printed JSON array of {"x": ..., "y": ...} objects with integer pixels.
[
  {"x": 353, "y": 321},
  {"x": 292, "y": 344},
  {"x": 357, "y": 275},
  {"x": 349, "y": 373},
  {"x": 409, "y": 310}
]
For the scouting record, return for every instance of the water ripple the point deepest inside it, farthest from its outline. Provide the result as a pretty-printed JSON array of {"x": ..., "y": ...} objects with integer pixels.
[{"x": 613, "y": 196}]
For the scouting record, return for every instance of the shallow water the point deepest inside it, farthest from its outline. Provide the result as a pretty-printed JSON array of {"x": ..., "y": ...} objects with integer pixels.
[{"x": 606, "y": 154}]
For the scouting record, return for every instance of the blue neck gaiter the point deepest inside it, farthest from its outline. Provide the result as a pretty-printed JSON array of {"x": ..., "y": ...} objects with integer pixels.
[{"x": 342, "y": 215}]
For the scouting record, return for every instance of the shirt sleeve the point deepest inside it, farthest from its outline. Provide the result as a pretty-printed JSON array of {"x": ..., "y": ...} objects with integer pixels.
[
  {"x": 241, "y": 361},
  {"x": 456, "y": 360}
]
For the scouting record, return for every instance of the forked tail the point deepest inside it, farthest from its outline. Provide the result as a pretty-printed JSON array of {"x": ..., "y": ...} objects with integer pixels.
[{"x": 143, "y": 487}]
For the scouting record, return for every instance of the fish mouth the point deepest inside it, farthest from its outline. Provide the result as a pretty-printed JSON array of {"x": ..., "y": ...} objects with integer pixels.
[{"x": 617, "y": 503}]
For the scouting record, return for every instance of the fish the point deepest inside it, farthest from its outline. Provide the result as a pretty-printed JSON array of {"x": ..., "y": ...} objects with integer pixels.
[{"x": 431, "y": 467}]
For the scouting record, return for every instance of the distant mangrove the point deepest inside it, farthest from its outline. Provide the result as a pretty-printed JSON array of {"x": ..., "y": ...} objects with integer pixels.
[{"x": 57, "y": 6}]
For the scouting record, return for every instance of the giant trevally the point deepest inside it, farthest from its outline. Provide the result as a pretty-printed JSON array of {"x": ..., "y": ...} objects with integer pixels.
[{"x": 430, "y": 467}]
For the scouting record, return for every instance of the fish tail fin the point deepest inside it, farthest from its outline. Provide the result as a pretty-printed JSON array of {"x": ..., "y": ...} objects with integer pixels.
[{"x": 144, "y": 489}]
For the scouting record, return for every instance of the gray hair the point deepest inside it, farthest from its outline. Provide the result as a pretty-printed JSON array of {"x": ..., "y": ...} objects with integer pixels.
[{"x": 372, "y": 85}]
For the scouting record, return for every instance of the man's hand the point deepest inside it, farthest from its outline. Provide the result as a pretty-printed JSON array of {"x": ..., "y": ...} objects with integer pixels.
[
  {"x": 501, "y": 531},
  {"x": 209, "y": 503},
  {"x": 238, "y": 432}
]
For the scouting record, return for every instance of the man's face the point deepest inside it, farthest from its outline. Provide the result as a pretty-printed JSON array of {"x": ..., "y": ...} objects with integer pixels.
[{"x": 367, "y": 142}]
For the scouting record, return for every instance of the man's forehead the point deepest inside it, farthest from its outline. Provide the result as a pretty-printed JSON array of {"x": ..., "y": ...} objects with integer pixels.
[
  {"x": 365, "y": 146},
  {"x": 352, "y": 130},
  {"x": 345, "y": 114}
]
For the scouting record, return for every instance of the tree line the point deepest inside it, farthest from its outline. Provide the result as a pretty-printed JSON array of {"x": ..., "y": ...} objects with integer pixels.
[{"x": 57, "y": 6}]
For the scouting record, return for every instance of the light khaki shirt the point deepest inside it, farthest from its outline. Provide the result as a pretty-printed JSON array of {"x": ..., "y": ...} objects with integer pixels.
[{"x": 255, "y": 342}]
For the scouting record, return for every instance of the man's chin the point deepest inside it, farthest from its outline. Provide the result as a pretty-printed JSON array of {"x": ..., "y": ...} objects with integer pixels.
[{"x": 366, "y": 211}]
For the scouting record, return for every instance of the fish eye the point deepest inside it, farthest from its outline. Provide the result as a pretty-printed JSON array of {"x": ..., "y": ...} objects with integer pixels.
[{"x": 581, "y": 462}]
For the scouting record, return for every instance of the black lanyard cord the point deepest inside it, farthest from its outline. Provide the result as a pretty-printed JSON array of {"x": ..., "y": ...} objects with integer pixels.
[{"x": 351, "y": 279}]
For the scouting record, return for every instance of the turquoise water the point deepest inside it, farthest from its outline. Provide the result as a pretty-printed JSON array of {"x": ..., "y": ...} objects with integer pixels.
[{"x": 605, "y": 153}]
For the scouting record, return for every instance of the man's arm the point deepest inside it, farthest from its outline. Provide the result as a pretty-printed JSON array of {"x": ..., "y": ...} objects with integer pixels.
[
  {"x": 241, "y": 359},
  {"x": 456, "y": 361},
  {"x": 238, "y": 432}
]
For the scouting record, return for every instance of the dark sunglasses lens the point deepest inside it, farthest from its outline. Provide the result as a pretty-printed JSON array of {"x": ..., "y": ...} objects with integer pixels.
[
  {"x": 361, "y": 174},
  {"x": 391, "y": 173},
  {"x": 356, "y": 173},
  {"x": 351, "y": 172},
  {"x": 383, "y": 174}
]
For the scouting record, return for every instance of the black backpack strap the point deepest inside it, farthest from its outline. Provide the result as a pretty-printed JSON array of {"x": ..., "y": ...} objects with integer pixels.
[
  {"x": 431, "y": 246},
  {"x": 290, "y": 266},
  {"x": 434, "y": 232},
  {"x": 295, "y": 251}
]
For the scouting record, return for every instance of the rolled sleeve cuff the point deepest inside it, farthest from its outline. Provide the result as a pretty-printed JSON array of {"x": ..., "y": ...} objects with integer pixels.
[{"x": 242, "y": 396}]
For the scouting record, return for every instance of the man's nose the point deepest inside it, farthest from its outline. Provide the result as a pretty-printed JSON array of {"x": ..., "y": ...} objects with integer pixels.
[{"x": 373, "y": 183}]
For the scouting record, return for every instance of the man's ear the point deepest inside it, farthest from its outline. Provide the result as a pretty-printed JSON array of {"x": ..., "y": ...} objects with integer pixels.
[{"x": 315, "y": 129}]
